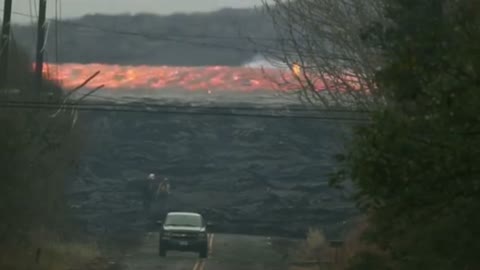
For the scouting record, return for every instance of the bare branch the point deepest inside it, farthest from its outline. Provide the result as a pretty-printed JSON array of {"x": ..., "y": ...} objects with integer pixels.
[
  {"x": 324, "y": 38},
  {"x": 71, "y": 92}
]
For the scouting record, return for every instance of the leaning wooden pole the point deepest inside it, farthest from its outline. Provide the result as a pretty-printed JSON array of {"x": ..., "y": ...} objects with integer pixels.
[
  {"x": 41, "y": 30},
  {"x": 5, "y": 42}
]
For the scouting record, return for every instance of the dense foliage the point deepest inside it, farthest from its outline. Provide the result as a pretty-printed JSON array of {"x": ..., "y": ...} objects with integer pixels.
[{"x": 416, "y": 165}]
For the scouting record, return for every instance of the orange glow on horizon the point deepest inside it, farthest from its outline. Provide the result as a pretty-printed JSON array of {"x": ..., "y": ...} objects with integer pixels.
[{"x": 210, "y": 78}]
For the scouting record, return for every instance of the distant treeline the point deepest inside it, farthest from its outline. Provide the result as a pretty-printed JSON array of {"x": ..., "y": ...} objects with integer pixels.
[{"x": 217, "y": 38}]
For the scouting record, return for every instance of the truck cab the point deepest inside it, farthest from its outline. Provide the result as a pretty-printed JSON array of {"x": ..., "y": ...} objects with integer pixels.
[{"x": 183, "y": 231}]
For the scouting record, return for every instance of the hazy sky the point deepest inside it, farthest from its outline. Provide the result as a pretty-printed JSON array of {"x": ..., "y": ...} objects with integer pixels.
[{"x": 76, "y": 8}]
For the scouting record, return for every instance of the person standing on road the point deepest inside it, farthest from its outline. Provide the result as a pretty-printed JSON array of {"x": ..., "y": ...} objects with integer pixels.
[
  {"x": 162, "y": 193},
  {"x": 149, "y": 188},
  {"x": 163, "y": 188}
]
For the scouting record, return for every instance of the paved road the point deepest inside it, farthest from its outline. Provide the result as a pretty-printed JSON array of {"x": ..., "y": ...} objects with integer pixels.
[{"x": 227, "y": 252}]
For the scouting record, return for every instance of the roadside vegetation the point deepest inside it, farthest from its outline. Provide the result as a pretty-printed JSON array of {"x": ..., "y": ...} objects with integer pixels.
[
  {"x": 39, "y": 147},
  {"x": 415, "y": 165},
  {"x": 316, "y": 251},
  {"x": 48, "y": 251}
]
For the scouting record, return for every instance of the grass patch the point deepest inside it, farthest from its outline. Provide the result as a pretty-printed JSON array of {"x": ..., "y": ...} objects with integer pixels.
[
  {"x": 316, "y": 252},
  {"x": 49, "y": 252}
]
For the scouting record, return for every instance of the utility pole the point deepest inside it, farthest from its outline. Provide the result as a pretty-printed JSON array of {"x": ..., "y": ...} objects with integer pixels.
[
  {"x": 42, "y": 15},
  {"x": 5, "y": 42}
]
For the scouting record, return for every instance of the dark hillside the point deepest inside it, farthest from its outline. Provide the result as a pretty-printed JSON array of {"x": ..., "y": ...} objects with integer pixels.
[
  {"x": 220, "y": 166},
  {"x": 181, "y": 39}
]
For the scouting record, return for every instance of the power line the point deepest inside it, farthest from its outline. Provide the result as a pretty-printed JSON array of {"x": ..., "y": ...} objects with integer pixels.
[
  {"x": 194, "y": 40},
  {"x": 171, "y": 38},
  {"x": 141, "y": 104},
  {"x": 102, "y": 107},
  {"x": 174, "y": 35},
  {"x": 195, "y": 112}
]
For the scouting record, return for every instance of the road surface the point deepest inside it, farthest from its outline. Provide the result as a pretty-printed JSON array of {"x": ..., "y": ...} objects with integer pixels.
[{"x": 227, "y": 252}]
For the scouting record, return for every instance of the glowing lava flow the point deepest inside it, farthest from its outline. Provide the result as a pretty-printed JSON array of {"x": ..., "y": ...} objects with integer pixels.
[{"x": 190, "y": 78}]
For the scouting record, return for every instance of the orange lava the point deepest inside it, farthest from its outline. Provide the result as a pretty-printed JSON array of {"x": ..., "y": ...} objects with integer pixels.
[{"x": 216, "y": 78}]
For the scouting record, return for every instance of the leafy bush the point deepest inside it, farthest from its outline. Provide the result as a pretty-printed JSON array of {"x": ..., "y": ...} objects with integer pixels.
[{"x": 416, "y": 165}]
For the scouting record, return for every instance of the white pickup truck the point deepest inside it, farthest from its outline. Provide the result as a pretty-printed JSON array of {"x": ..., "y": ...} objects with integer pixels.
[{"x": 183, "y": 231}]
